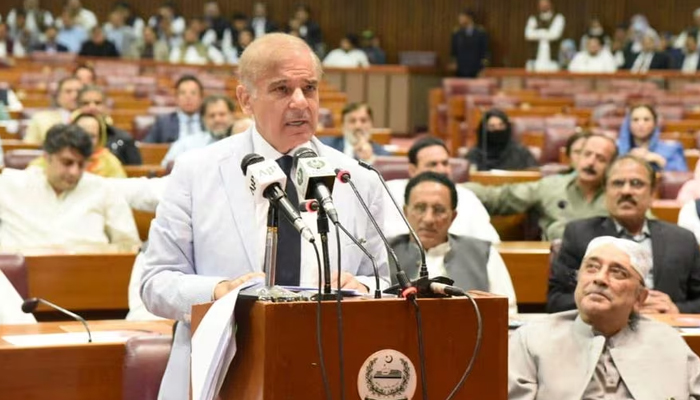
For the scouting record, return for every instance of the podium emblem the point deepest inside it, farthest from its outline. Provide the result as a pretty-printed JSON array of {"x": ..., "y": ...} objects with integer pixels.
[{"x": 387, "y": 375}]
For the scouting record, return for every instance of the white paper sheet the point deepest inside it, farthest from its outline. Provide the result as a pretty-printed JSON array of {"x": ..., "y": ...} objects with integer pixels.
[{"x": 214, "y": 345}]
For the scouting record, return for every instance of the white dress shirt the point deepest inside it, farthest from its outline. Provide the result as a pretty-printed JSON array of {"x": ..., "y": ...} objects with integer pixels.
[
  {"x": 584, "y": 62},
  {"x": 11, "y": 305},
  {"x": 32, "y": 215},
  {"x": 498, "y": 276},
  {"x": 340, "y": 58},
  {"x": 642, "y": 63},
  {"x": 192, "y": 56},
  {"x": 543, "y": 60},
  {"x": 690, "y": 63},
  {"x": 309, "y": 268},
  {"x": 190, "y": 124},
  {"x": 472, "y": 218},
  {"x": 142, "y": 193}
]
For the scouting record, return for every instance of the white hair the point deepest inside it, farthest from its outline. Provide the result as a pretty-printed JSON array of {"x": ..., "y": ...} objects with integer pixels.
[{"x": 640, "y": 258}]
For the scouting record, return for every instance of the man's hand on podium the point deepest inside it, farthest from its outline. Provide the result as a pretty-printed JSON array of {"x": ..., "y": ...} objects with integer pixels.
[
  {"x": 348, "y": 281},
  {"x": 224, "y": 287}
]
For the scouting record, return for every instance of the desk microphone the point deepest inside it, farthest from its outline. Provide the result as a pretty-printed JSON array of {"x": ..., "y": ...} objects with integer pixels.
[
  {"x": 423, "y": 266},
  {"x": 29, "y": 305},
  {"x": 264, "y": 178},
  {"x": 314, "y": 180},
  {"x": 407, "y": 289}
]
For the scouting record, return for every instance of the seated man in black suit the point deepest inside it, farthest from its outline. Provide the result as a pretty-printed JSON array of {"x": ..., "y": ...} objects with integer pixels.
[
  {"x": 357, "y": 127},
  {"x": 50, "y": 45},
  {"x": 183, "y": 122},
  {"x": 674, "y": 280},
  {"x": 649, "y": 58}
]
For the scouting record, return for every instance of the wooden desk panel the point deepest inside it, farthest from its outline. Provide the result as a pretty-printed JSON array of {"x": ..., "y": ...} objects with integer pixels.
[
  {"x": 528, "y": 265},
  {"x": 70, "y": 372},
  {"x": 81, "y": 281},
  {"x": 666, "y": 210},
  {"x": 500, "y": 178}
]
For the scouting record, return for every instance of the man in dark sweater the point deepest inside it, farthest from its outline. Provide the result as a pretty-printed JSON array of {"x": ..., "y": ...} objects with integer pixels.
[{"x": 98, "y": 45}]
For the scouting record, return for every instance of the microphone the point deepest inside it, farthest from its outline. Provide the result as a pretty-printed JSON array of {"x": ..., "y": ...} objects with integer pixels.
[
  {"x": 315, "y": 179},
  {"x": 407, "y": 289},
  {"x": 265, "y": 178},
  {"x": 423, "y": 265},
  {"x": 29, "y": 305}
]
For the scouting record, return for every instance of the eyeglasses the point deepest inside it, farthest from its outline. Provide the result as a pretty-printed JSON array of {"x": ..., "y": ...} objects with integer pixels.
[
  {"x": 421, "y": 209},
  {"x": 634, "y": 183}
]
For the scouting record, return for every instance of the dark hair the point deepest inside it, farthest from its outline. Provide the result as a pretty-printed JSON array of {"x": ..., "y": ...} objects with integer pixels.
[
  {"x": 353, "y": 39},
  {"x": 237, "y": 16},
  {"x": 90, "y": 89},
  {"x": 574, "y": 138},
  {"x": 352, "y": 107},
  {"x": 468, "y": 13},
  {"x": 189, "y": 78},
  {"x": 209, "y": 100},
  {"x": 608, "y": 138},
  {"x": 595, "y": 37},
  {"x": 86, "y": 67},
  {"x": 430, "y": 176},
  {"x": 648, "y": 107},
  {"x": 61, "y": 136},
  {"x": 62, "y": 82},
  {"x": 422, "y": 143},
  {"x": 629, "y": 157}
]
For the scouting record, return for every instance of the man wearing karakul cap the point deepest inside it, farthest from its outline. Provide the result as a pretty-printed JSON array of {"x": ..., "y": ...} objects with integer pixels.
[{"x": 604, "y": 349}]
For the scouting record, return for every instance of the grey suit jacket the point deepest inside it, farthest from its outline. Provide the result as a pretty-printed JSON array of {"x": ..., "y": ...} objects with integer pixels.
[
  {"x": 203, "y": 234},
  {"x": 555, "y": 359},
  {"x": 166, "y": 129},
  {"x": 675, "y": 253},
  {"x": 465, "y": 263}
]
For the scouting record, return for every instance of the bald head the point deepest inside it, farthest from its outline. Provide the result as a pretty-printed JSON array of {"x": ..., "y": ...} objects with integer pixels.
[{"x": 268, "y": 52}]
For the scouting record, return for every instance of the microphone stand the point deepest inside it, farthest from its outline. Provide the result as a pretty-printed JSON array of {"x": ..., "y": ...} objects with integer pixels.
[
  {"x": 323, "y": 228},
  {"x": 270, "y": 263}
]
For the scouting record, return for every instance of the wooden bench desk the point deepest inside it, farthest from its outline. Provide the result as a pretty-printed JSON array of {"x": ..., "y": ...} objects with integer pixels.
[
  {"x": 68, "y": 372},
  {"x": 80, "y": 279},
  {"x": 528, "y": 265},
  {"x": 503, "y": 177}
]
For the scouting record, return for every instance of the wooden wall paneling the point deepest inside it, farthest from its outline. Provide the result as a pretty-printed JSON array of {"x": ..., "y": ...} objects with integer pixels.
[
  {"x": 377, "y": 96},
  {"x": 427, "y": 25},
  {"x": 399, "y": 90}
]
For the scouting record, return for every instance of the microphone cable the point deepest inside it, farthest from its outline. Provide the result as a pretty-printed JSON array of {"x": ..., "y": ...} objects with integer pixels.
[
  {"x": 477, "y": 347},
  {"x": 319, "y": 344},
  {"x": 339, "y": 311},
  {"x": 421, "y": 349}
]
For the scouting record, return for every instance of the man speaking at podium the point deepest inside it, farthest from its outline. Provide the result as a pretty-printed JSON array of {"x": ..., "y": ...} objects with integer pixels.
[{"x": 208, "y": 236}]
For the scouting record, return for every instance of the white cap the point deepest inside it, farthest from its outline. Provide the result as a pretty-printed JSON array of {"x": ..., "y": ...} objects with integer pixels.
[{"x": 640, "y": 258}]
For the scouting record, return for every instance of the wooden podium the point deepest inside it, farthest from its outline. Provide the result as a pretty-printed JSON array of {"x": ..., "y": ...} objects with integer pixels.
[{"x": 277, "y": 354}]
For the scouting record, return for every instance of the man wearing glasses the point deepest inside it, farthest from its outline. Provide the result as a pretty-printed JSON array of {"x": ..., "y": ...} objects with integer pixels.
[
  {"x": 674, "y": 280},
  {"x": 474, "y": 264}
]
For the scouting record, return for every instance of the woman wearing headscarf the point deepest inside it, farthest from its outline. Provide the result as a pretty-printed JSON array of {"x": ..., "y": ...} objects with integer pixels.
[
  {"x": 640, "y": 136},
  {"x": 496, "y": 148},
  {"x": 102, "y": 162}
]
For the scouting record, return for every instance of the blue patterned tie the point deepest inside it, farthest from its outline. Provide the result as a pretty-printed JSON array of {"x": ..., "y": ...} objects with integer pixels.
[{"x": 289, "y": 240}]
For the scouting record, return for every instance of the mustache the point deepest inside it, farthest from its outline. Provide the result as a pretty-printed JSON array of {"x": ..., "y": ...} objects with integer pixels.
[
  {"x": 627, "y": 198},
  {"x": 601, "y": 291},
  {"x": 589, "y": 169},
  {"x": 296, "y": 116}
]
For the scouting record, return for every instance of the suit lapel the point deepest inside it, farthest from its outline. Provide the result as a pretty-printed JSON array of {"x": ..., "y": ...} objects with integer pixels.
[
  {"x": 657, "y": 249},
  {"x": 608, "y": 228},
  {"x": 239, "y": 199}
]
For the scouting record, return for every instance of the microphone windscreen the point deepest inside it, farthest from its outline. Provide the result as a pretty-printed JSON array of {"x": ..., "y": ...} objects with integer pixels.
[
  {"x": 250, "y": 159},
  {"x": 29, "y": 305}
]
